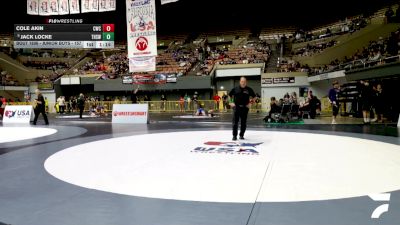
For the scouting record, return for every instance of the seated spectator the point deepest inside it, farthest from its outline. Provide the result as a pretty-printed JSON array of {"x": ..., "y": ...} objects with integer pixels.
[
  {"x": 275, "y": 107},
  {"x": 311, "y": 105},
  {"x": 389, "y": 15}
]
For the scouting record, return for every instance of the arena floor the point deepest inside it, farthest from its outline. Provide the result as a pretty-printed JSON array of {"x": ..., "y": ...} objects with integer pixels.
[{"x": 187, "y": 171}]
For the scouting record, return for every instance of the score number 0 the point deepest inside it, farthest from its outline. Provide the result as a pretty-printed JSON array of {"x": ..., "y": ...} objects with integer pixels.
[{"x": 108, "y": 27}]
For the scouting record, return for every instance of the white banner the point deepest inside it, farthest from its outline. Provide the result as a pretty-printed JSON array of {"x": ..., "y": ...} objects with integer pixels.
[
  {"x": 63, "y": 7},
  {"x": 107, "y": 5},
  {"x": 398, "y": 122},
  {"x": 103, "y": 6},
  {"x": 32, "y": 7},
  {"x": 44, "y": 8},
  {"x": 111, "y": 5},
  {"x": 130, "y": 113},
  {"x": 74, "y": 7},
  {"x": 95, "y": 5},
  {"x": 18, "y": 114},
  {"x": 142, "y": 64},
  {"x": 90, "y": 6},
  {"x": 53, "y": 7},
  {"x": 141, "y": 28},
  {"x": 167, "y": 1}
]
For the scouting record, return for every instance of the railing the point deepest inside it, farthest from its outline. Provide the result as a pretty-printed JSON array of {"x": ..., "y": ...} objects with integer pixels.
[
  {"x": 359, "y": 64},
  {"x": 154, "y": 106}
]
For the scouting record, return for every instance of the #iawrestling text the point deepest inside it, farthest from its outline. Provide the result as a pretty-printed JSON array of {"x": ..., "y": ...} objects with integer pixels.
[{"x": 36, "y": 36}]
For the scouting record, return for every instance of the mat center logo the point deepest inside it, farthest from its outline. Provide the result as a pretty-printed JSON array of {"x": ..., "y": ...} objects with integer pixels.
[
  {"x": 16, "y": 113},
  {"x": 141, "y": 43},
  {"x": 239, "y": 148}
]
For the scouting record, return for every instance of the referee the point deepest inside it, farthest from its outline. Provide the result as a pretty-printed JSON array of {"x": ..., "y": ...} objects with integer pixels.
[{"x": 240, "y": 103}]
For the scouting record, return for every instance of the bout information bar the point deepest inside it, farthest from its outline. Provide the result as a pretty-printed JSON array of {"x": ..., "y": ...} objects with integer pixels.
[{"x": 64, "y": 36}]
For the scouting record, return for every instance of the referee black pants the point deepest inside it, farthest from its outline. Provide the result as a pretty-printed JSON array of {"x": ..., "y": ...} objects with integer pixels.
[
  {"x": 239, "y": 112},
  {"x": 81, "y": 111},
  {"x": 43, "y": 112}
]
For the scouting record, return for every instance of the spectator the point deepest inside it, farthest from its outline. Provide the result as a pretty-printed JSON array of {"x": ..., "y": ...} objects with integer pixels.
[
  {"x": 293, "y": 98},
  {"x": 81, "y": 104},
  {"x": 186, "y": 101},
  {"x": 379, "y": 103},
  {"x": 217, "y": 100},
  {"x": 274, "y": 108},
  {"x": 195, "y": 100},
  {"x": 61, "y": 104},
  {"x": 134, "y": 98},
  {"x": 225, "y": 101},
  {"x": 181, "y": 103},
  {"x": 46, "y": 104},
  {"x": 117, "y": 101},
  {"x": 389, "y": 15},
  {"x": 257, "y": 100},
  {"x": 2, "y": 106},
  {"x": 163, "y": 102},
  {"x": 333, "y": 99},
  {"x": 311, "y": 105},
  {"x": 366, "y": 96}
]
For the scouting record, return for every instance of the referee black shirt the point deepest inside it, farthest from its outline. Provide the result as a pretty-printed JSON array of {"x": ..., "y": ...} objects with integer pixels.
[{"x": 241, "y": 96}]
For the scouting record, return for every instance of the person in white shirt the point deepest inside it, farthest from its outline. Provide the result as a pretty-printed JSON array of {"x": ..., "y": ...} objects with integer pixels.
[{"x": 61, "y": 104}]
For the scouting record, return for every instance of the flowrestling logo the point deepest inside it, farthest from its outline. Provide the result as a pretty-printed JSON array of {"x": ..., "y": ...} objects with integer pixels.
[
  {"x": 238, "y": 148},
  {"x": 17, "y": 113},
  {"x": 117, "y": 113}
]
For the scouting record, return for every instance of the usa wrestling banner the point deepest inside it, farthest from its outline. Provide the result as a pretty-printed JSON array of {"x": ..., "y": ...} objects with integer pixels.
[{"x": 142, "y": 35}]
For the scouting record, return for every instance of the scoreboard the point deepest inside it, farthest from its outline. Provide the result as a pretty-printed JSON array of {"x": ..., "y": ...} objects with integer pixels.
[{"x": 89, "y": 36}]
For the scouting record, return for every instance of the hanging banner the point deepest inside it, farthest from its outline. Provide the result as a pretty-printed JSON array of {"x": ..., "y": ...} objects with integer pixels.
[
  {"x": 284, "y": 80},
  {"x": 44, "y": 8},
  {"x": 63, "y": 7},
  {"x": 32, "y": 7},
  {"x": 107, "y": 5},
  {"x": 74, "y": 7},
  {"x": 141, "y": 28},
  {"x": 90, "y": 6},
  {"x": 111, "y": 5},
  {"x": 53, "y": 7},
  {"x": 149, "y": 79},
  {"x": 95, "y": 5},
  {"x": 103, "y": 6},
  {"x": 142, "y": 64}
]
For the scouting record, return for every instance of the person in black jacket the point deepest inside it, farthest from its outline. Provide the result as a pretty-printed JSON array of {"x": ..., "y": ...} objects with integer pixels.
[
  {"x": 40, "y": 107},
  {"x": 379, "y": 103},
  {"x": 275, "y": 108},
  {"x": 134, "y": 98},
  {"x": 81, "y": 104},
  {"x": 240, "y": 103},
  {"x": 366, "y": 98}
]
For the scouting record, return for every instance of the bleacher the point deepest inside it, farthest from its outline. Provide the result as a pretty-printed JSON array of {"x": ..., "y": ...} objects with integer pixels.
[
  {"x": 271, "y": 33},
  {"x": 6, "y": 39},
  {"x": 167, "y": 63},
  {"x": 8, "y": 79},
  {"x": 167, "y": 40},
  {"x": 225, "y": 35}
]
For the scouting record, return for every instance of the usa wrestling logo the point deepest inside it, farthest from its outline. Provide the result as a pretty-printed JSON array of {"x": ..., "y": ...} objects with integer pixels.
[
  {"x": 10, "y": 113},
  {"x": 216, "y": 147}
]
